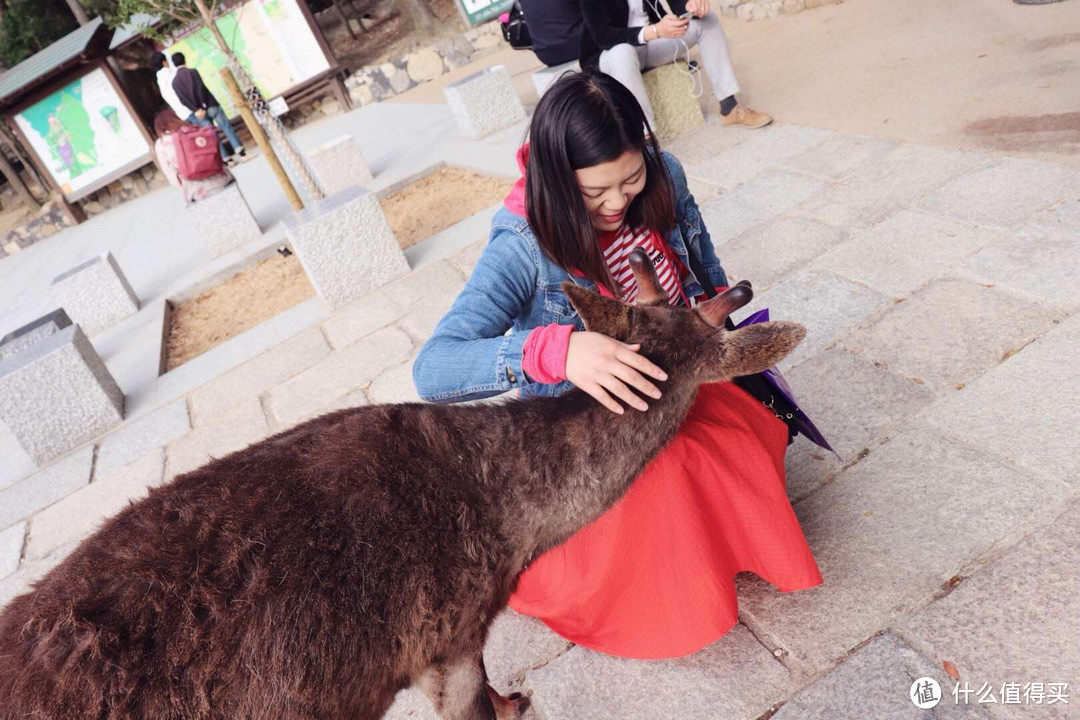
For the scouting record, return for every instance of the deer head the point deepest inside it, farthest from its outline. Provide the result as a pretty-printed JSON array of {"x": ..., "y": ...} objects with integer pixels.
[{"x": 685, "y": 342}]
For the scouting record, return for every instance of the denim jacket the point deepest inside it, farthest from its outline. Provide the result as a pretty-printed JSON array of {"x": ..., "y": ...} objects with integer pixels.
[{"x": 476, "y": 349}]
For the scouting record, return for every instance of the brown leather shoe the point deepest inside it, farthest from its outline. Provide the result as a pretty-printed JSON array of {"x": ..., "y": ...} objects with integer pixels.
[{"x": 746, "y": 117}]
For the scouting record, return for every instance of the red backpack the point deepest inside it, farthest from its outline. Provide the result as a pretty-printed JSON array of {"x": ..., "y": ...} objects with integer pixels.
[{"x": 197, "y": 155}]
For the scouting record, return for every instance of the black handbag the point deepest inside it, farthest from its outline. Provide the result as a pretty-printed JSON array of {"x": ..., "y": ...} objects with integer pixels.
[{"x": 515, "y": 30}]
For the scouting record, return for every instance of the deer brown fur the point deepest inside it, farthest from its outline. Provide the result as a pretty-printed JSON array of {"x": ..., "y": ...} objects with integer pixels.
[{"x": 320, "y": 571}]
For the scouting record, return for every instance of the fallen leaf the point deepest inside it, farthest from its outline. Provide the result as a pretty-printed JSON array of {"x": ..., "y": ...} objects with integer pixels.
[
  {"x": 918, "y": 381},
  {"x": 959, "y": 386},
  {"x": 951, "y": 669}
]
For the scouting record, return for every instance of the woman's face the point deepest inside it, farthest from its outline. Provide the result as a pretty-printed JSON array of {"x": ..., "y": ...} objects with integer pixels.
[{"x": 609, "y": 188}]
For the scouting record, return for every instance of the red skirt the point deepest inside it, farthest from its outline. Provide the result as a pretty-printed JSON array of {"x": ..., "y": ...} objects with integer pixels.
[{"x": 654, "y": 576}]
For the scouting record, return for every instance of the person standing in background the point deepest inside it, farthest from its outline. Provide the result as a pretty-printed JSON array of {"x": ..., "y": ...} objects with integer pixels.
[
  {"x": 165, "y": 75},
  {"x": 203, "y": 108}
]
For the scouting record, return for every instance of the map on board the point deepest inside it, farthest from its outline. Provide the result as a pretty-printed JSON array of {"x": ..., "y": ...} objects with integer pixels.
[
  {"x": 83, "y": 133},
  {"x": 271, "y": 39}
]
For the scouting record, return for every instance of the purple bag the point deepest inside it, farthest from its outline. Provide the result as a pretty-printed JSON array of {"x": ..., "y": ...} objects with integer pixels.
[{"x": 801, "y": 422}]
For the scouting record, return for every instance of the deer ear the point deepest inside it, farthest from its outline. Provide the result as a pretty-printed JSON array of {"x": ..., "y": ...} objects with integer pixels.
[
  {"x": 601, "y": 314},
  {"x": 755, "y": 348}
]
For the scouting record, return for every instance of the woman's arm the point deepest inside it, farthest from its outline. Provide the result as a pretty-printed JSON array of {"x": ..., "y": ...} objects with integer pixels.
[
  {"x": 470, "y": 355},
  {"x": 605, "y": 32}
]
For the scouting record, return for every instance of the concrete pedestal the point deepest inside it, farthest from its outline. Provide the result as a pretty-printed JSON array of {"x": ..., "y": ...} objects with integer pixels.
[
  {"x": 484, "y": 102},
  {"x": 95, "y": 294}
]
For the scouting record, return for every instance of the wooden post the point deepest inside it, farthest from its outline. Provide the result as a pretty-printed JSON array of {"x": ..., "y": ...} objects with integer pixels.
[{"x": 261, "y": 140}]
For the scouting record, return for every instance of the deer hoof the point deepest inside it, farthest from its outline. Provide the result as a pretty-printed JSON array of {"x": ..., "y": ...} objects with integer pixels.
[{"x": 510, "y": 707}]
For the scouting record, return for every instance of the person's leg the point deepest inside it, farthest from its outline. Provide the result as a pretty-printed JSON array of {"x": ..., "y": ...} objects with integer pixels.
[
  {"x": 624, "y": 63},
  {"x": 217, "y": 114},
  {"x": 708, "y": 33}
]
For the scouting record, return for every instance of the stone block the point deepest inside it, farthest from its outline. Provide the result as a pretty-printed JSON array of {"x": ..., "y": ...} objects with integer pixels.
[
  {"x": 139, "y": 437},
  {"x": 346, "y": 246},
  {"x": 875, "y": 683},
  {"x": 766, "y": 149},
  {"x": 466, "y": 260},
  {"x": 543, "y": 78},
  {"x": 248, "y": 381},
  {"x": 903, "y": 253},
  {"x": 839, "y": 156},
  {"x": 1015, "y": 619},
  {"x": 727, "y": 218},
  {"x": 1040, "y": 261},
  {"x": 394, "y": 386},
  {"x": 11, "y": 547},
  {"x": 1065, "y": 214},
  {"x": 735, "y": 678},
  {"x": 889, "y": 183},
  {"x": 95, "y": 294},
  {"x": 309, "y": 393},
  {"x": 21, "y": 338},
  {"x": 1022, "y": 409},
  {"x": 339, "y": 164},
  {"x": 360, "y": 319},
  {"x": 43, "y": 488},
  {"x": 887, "y": 534},
  {"x": 517, "y": 644},
  {"x": 57, "y": 394},
  {"x": 234, "y": 429},
  {"x": 28, "y": 573},
  {"x": 854, "y": 403},
  {"x": 827, "y": 305},
  {"x": 81, "y": 513},
  {"x": 1008, "y": 193},
  {"x": 676, "y": 110},
  {"x": 223, "y": 221},
  {"x": 484, "y": 102},
  {"x": 770, "y": 252},
  {"x": 950, "y": 332}
]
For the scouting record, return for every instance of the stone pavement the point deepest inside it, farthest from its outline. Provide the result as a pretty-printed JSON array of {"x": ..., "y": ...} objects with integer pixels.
[{"x": 940, "y": 289}]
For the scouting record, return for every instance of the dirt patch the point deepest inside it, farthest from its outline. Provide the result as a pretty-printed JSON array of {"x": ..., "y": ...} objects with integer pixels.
[
  {"x": 439, "y": 200},
  {"x": 240, "y": 303},
  {"x": 389, "y": 33}
]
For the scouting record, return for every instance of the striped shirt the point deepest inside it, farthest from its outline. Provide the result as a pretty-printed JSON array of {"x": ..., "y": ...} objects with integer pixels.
[{"x": 617, "y": 247}]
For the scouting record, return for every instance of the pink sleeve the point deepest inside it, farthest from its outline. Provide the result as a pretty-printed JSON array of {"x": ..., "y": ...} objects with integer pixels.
[{"x": 544, "y": 355}]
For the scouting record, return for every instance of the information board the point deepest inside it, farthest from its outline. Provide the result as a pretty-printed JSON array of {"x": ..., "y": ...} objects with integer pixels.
[
  {"x": 478, "y": 11},
  {"x": 84, "y": 134},
  {"x": 272, "y": 40}
]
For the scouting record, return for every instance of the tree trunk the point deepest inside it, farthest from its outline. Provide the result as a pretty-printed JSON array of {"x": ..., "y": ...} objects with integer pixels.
[
  {"x": 423, "y": 18},
  {"x": 78, "y": 11}
]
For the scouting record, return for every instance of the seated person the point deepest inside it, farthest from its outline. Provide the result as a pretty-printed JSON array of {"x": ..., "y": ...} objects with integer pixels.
[
  {"x": 166, "y": 125},
  {"x": 625, "y": 37},
  {"x": 555, "y": 27}
]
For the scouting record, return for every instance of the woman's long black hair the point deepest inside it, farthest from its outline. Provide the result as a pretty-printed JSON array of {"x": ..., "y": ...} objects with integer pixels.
[{"x": 586, "y": 119}]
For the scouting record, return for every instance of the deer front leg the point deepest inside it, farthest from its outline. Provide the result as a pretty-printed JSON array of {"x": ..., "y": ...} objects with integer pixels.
[{"x": 459, "y": 691}]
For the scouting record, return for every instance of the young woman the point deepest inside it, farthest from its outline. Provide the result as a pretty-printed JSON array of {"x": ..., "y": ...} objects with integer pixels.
[
  {"x": 167, "y": 124},
  {"x": 653, "y": 576}
]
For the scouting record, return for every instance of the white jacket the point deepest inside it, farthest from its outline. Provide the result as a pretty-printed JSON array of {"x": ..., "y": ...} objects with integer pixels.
[{"x": 164, "y": 80}]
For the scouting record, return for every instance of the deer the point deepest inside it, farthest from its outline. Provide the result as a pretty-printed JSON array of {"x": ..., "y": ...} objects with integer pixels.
[{"x": 316, "y": 573}]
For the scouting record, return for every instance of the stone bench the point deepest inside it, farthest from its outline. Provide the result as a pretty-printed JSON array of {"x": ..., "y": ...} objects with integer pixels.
[
  {"x": 34, "y": 332},
  {"x": 484, "y": 102},
  {"x": 346, "y": 245},
  {"x": 339, "y": 164},
  {"x": 223, "y": 221},
  {"x": 542, "y": 79},
  {"x": 95, "y": 294},
  {"x": 676, "y": 109},
  {"x": 56, "y": 393}
]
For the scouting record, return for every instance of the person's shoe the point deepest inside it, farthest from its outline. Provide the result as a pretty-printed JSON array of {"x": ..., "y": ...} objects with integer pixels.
[{"x": 742, "y": 115}]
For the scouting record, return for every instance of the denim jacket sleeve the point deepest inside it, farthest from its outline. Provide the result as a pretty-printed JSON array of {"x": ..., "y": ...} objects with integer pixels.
[{"x": 470, "y": 355}]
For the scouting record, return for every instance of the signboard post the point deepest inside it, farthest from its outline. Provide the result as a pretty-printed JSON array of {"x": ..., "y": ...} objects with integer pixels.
[{"x": 475, "y": 12}]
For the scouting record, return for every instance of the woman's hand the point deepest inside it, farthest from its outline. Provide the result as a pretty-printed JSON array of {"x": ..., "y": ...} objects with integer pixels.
[
  {"x": 700, "y": 8},
  {"x": 671, "y": 27},
  {"x": 603, "y": 367}
]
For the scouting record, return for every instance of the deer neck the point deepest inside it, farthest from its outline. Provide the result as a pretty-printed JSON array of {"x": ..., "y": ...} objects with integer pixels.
[{"x": 586, "y": 457}]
